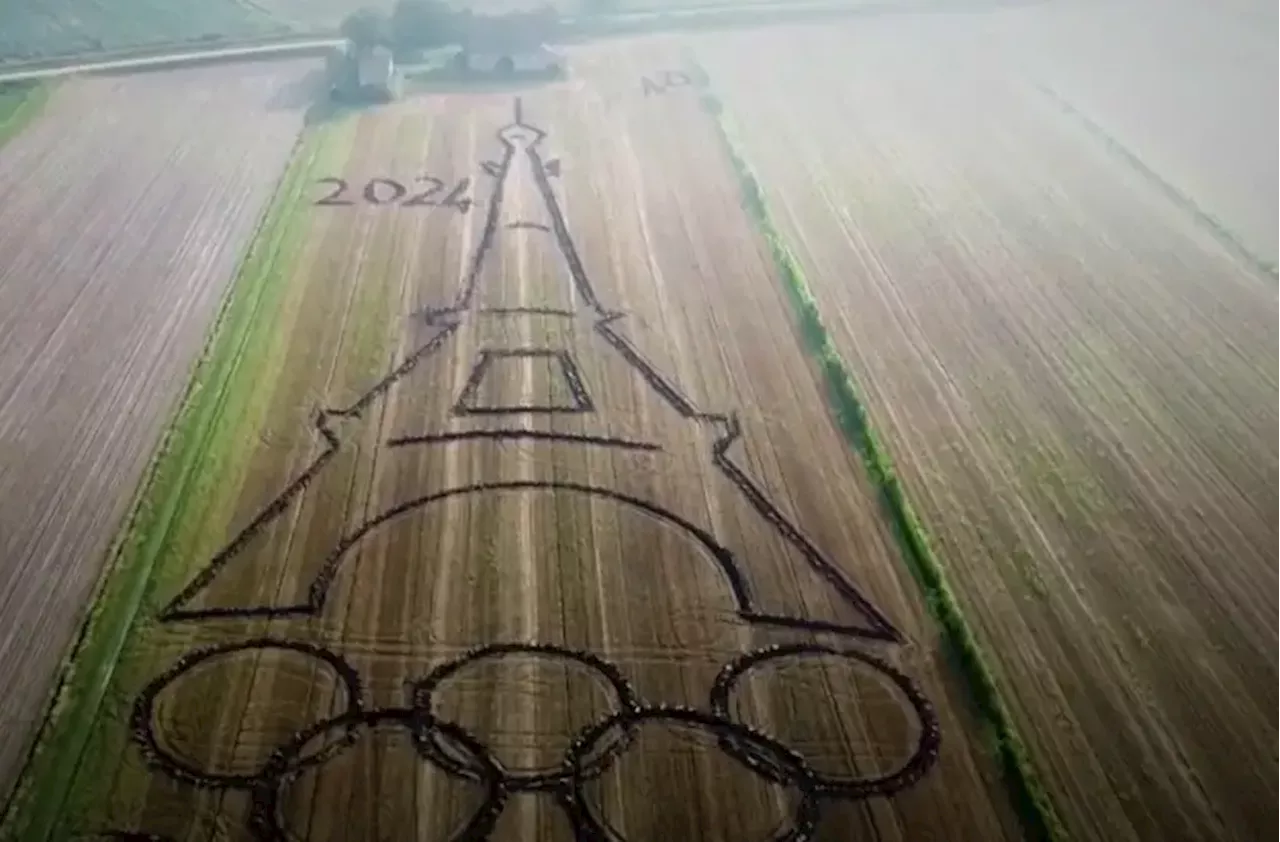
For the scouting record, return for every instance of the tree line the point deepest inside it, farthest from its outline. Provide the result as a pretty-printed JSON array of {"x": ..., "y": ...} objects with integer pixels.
[{"x": 418, "y": 25}]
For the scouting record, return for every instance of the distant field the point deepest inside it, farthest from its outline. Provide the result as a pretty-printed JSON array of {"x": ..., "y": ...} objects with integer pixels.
[
  {"x": 109, "y": 278},
  {"x": 1079, "y": 386},
  {"x": 480, "y": 387},
  {"x": 33, "y": 30},
  {"x": 815, "y": 433}
]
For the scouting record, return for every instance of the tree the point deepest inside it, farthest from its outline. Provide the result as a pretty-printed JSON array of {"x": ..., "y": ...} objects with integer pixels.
[
  {"x": 367, "y": 28},
  {"x": 545, "y": 21},
  {"x": 422, "y": 25},
  {"x": 340, "y": 69}
]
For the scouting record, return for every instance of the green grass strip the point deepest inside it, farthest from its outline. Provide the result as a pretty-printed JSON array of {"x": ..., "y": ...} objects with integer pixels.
[
  {"x": 20, "y": 103},
  {"x": 1031, "y": 800},
  {"x": 37, "y": 805}
]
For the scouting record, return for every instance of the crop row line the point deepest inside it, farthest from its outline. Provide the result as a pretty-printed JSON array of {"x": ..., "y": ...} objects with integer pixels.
[
  {"x": 1034, "y": 807},
  {"x": 38, "y": 804}
]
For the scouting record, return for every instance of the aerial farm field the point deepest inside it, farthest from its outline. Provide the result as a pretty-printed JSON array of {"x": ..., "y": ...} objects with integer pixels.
[
  {"x": 60, "y": 28},
  {"x": 31, "y": 30},
  {"x": 19, "y": 105},
  {"x": 1079, "y": 386},
  {"x": 844, "y": 445},
  {"x": 126, "y": 206},
  {"x": 508, "y": 506}
]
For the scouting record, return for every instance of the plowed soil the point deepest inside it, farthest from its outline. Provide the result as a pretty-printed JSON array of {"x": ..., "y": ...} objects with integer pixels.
[
  {"x": 1078, "y": 384},
  {"x": 126, "y": 206},
  {"x": 500, "y": 513}
]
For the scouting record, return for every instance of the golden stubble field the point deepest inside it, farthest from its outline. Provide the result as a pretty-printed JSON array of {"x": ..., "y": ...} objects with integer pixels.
[
  {"x": 524, "y": 517},
  {"x": 1079, "y": 388}
]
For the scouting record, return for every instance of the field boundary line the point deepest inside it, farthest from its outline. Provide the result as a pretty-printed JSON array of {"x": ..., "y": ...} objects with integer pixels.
[
  {"x": 42, "y": 787},
  {"x": 711, "y": 16},
  {"x": 161, "y": 49},
  {"x": 1032, "y": 803},
  {"x": 1180, "y": 199}
]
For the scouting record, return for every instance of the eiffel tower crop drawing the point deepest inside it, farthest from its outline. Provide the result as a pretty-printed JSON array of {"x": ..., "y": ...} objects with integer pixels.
[{"x": 526, "y": 491}]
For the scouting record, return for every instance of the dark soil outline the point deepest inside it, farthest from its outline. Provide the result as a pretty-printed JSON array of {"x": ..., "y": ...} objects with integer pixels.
[
  {"x": 581, "y": 399},
  {"x": 462, "y": 755},
  {"x": 528, "y": 311},
  {"x": 921, "y": 759},
  {"x": 154, "y": 752},
  {"x": 728, "y": 430},
  {"x": 524, "y": 435},
  {"x": 422, "y": 693},
  {"x": 515, "y": 137}
]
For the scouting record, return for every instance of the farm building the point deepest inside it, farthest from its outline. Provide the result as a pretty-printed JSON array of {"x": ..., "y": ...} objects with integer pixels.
[
  {"x": 376, "y": 74},
  {"x": 508, "y": 45},
  {"x": 363, "y": 74}
]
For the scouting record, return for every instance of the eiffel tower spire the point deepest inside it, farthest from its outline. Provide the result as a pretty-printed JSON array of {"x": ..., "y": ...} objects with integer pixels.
[{"x": 524, "y": 260}]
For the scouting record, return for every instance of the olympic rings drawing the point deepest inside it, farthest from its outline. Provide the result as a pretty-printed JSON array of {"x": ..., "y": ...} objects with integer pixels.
[
  {"x": 922, "y": 757},
  {"x": 284, "y": 767},
  {"x": 590, "y": 827},
  {"x": 142, "y": 723},
  {"x": 460, "y": 754},
  {"x": 423, "y": 699}
]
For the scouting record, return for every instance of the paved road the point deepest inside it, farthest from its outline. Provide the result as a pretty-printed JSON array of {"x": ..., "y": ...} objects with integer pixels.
[
  {"x": 625, "y": 23},
  {"x": 177, "y": 57}
]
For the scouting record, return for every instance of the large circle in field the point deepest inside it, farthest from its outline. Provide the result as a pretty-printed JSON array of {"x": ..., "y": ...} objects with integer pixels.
[
  {"x": 524, "y": 702},
  {"x": 674, "y": 780},
  {"x": 215, "y": 717},
  {"x": 862, "y": 727},
  {"x": 376, "y": 786}
]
